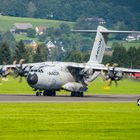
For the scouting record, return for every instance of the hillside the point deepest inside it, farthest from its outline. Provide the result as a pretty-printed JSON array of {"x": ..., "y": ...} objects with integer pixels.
[
  {"x": 112, "y": 11},
  {"x": 7, "y": 21}
]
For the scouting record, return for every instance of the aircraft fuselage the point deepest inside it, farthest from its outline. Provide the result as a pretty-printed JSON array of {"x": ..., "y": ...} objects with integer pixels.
[{"x": 49, "y": 77}]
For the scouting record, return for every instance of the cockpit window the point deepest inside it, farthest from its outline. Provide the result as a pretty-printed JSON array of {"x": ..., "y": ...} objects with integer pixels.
[
  {"x": 33, "y": 70},
  {"x": 40, "y": 70}
]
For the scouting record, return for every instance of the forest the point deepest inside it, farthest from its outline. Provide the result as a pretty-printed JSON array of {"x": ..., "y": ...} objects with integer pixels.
[
  {"x": 111, "y": 11},
  {"x": 120, "y": 14}
]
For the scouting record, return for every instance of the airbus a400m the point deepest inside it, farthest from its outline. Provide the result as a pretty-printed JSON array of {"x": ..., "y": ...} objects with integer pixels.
[{"x": 48, "y": 77}]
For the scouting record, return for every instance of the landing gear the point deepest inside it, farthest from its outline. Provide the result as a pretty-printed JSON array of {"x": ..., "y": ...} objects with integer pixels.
[
  {"x": 38, "y": 93},
  {"x": 49, "y": 93},
  {"x": 77, "y": 94}
]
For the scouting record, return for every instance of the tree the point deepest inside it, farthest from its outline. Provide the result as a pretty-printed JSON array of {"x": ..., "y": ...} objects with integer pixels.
[
  {"x": 132, "y": 57},
  {"x": 21, "y": 52},
  {"x": 120, "y": 56},
  {"x": 138, "y": 58},
  {"x": 10, "y": 40},
  {"x": 5, "y": 54},
  {"x": 73, "y": 56},
  {"x": 65, "y": 29},
  {"x": 41, "y": 54},
  {"x": 31, "y": 9}
]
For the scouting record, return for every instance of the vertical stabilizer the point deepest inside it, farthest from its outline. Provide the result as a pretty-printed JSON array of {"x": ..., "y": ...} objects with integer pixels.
[
  {"x": 99, "y": 45},
  {"x": 100, "y": 42}
]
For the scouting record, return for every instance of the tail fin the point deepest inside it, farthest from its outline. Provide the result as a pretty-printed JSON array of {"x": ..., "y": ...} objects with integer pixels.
[
  {"x": 99, "y": 45},
  {"x": 101, "y": 42}
]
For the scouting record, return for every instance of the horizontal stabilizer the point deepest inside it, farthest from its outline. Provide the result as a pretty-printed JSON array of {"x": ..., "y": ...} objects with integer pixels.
[{"x": 108, "y": 31}]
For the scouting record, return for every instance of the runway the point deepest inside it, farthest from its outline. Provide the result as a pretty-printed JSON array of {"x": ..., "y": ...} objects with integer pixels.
[{"x": 67, "y": 98}]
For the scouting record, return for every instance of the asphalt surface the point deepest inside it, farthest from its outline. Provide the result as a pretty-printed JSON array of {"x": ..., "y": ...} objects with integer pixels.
[{"x": 67, "y": 98}]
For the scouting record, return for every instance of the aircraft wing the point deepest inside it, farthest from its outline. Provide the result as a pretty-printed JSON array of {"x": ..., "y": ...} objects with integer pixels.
[
  {"x": 100, "y": 67},
  {"x": 24, "y": 65}
]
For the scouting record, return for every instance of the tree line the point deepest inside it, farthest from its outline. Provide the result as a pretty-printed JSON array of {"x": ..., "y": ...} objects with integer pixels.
[
  {"x": 112, "y": 11},
  {"x": 129, "y": 58}
]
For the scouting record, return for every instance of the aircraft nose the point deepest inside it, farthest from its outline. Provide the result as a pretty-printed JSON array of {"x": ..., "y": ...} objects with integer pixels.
[{"x": 32, "y": 79}]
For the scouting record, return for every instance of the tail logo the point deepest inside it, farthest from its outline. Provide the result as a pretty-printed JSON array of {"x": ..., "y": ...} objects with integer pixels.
[{"x": 99, "y": 47}]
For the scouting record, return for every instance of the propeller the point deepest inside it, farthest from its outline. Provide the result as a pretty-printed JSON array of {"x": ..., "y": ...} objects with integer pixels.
[
  {"x": 112, "y": 74},
  {"x": 20, "y": 70},
  {"x": 4, "y": 72}
]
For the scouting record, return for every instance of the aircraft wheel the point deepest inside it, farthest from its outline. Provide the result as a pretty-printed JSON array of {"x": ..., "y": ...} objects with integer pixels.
[
  {"x": 54, "y": 93},
  {"x": 81, "y": 94},
  {"x": 72, "y": 94},
  {"x": 38, "y": 93},
  {"x": 138, "y": 102},
  {"x": 44, "y": 93},
  {"x": 77, "y": 94}
]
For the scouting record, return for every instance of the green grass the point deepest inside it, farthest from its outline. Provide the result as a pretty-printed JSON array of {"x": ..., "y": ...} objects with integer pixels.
[
  {"x": 124, "y": 87},
  {"x": 69, "y": 121},
  {"x": 6, "y": 22},
  {"x": 14, "y": 86},
  {"x": 96, "y": 87},
  {"x": 126, "y": 44},
  {"x": 19, "y": 37}
]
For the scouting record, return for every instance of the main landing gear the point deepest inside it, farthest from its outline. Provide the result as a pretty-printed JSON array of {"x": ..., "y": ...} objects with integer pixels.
[
  {"x": 46, "y": 93},
  {"x": 77, "y": 94},
  {"x": 53, "y": 93}
]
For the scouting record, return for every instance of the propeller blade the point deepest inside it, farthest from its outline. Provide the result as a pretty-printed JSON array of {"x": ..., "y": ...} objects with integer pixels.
[
  {"x": 20, "y": 79},
  {"x": 109, "y": 82}
]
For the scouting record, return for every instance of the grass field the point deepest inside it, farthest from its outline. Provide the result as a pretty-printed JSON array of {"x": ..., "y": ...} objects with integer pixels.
[
  {"x": 96, "y": 87},
  {"x": 126, "y": 44},
  {"x": 6, "y": 22},
  {"x": 69, "y": 121}
]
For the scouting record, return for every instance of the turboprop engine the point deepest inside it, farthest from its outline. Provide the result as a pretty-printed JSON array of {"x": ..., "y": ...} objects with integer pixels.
[{"x": 89, "y": 75}]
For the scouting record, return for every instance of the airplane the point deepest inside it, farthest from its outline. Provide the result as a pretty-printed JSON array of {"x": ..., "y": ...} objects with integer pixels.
[{"x": 48, "y": 77}]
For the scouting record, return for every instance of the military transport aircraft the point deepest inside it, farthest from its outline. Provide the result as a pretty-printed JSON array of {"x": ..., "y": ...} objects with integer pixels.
[{"x": 48, "y": 77}]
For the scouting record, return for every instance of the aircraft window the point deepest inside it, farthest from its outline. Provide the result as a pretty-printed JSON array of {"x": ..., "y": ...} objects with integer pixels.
[
  {"x": 33, "y": 70},
  {"x": 40, "y": 70}
]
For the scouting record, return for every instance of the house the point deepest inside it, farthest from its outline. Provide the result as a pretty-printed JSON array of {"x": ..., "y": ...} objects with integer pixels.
[
  {"x": 108, "y": 51},
  {"x": 95, "y": 20},
  {"x": 133, "y": 37},
  {"x": 21, "y": 28},
  {"x": 50, "y": 45},
  {"x": 40, "y": 29},
  {"x": 54, "y": 45},
  {"x": 30, "y": 43},
  {"x": 130, "y": 38},
  {"x": 101, "y": 21}
]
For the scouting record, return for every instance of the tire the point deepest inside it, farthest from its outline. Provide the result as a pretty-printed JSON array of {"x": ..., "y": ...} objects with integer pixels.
[
  {"x": 81, "y": 94},
  {"x": 37, "y": 93},
  {"x": 72, "y": 94},
  {"x": 54, "y": 93},
  {"x": 138, "y": 102},
  {"x": 44, "y": 93}
]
